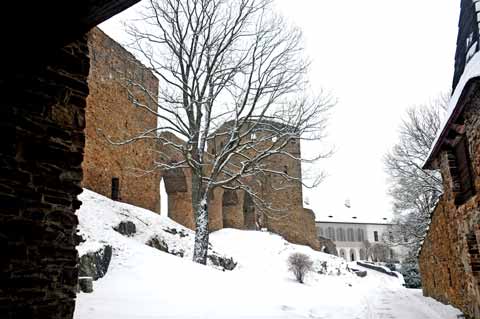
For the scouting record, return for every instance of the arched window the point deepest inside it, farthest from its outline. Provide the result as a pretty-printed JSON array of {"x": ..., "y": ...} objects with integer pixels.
[
  {"x": 360, "y": 235},
  {"x": 350, "y": 236},
  {"x": 343, "y": 254}
]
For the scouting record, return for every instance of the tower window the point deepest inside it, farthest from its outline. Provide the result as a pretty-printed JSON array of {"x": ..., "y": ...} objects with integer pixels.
[
  {"x": 461, "y": 171},
  {"x": 375, "y": 235}
]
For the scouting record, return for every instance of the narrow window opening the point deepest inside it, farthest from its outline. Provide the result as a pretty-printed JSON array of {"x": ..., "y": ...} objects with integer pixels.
[
  {"x": 375, "y": 235},
  {"x": 115, "y": 188}
]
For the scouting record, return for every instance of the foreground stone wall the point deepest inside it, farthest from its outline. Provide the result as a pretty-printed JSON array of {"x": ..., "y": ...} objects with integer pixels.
[
  {"x": 111, "y": 111},
  {"x": 43, "y": 115},
  {"x": 450, "y": 259}
]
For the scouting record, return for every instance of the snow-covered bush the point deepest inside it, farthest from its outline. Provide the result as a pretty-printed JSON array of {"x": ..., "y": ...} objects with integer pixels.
[
  {"x": 411, "y": 274},
  {"x": 300, "y": 264}
]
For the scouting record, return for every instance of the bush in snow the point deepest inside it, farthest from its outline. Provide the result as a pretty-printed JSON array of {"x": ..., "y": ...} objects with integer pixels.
[
  {"x": 411, "y": 274},
  {"x": 391, "y": 266},
  {"x": 300, "y": 264}
]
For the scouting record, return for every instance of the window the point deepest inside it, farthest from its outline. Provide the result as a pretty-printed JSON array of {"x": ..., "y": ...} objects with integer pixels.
[
  {"x": 115, "y": 188},
  {"x": 340, "y": 234},
  {"x": 375, "y": 235},
  {"x": 390, "y": 236},
  {"x": 320, "y": 231},
  {"x": 360, "y": 235},
  {"x": 331, "y": 233},
  {"x": 461, "y": 171},
  {"x": 350, "y": 236}
]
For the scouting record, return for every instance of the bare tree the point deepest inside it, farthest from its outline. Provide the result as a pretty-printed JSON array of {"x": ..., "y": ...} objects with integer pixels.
[
  {"x": 300, "y": 264},
  {"x": 415, "y": 191},
  {"x": 229, "y": 71}
]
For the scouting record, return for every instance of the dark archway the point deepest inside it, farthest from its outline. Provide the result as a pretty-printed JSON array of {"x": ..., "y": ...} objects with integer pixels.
[
  {"x": 250, "y": 220},
  {"x": 353, "y": 255}
]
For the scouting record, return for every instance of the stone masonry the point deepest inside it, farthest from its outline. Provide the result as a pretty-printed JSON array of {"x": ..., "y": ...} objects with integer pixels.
[
  {"x": 111, "y": 112},
  {"x": 450, "y": 259},
  {"x": 40, "y": 163}
]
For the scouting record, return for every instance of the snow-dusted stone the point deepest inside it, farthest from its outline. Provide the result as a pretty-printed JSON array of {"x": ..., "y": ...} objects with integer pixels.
[
  {"x": 157, "y": 243},
  {"x": 85, "y": 284},
  {"x": 224, "y": 262},
  {"x": 126, "y": 228},
  {"x": 95, "y": 263}
]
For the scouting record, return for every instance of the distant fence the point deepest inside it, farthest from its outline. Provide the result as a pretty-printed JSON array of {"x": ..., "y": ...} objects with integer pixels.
[{"x": 378, "y": 268}]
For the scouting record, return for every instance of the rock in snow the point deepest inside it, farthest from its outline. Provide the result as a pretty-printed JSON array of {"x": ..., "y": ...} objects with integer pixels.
[{"x": 95, "y": 264}]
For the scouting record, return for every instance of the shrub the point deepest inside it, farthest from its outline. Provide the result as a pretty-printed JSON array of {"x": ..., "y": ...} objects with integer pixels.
[
  {"x": 411, "y": 274},
  {"x": 391, "y": 266},
  {"x": 300, "y": 264}
]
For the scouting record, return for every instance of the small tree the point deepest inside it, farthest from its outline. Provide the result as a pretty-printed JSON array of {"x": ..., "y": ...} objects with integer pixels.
[{"x": 300, "y": 264}]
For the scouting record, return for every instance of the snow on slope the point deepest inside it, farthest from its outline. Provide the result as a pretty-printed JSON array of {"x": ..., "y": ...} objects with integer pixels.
[{"x": 145, "y": 283}]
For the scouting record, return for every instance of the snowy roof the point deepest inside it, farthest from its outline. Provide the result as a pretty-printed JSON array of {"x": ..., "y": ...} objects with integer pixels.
[
  {"x": 344, "y": 214},
  {"x": 472, "y": 71}
]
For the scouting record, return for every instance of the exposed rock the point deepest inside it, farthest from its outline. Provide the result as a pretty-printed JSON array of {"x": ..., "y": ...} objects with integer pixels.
[
  {"x": 361, "y": 273},
  {"x": 224, "y": 262},
  {"x": 158, "y": 243},
  {"x": 179, "y": 253},
  {"x": 85, "y": 284},
  {"x": 174, "y": 231},
  {"x": 126, "y": 228},
  {"x": 95, "y": 264}
]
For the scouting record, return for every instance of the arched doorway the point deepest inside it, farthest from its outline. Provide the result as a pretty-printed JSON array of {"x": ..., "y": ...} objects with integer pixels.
[
  {"x": 353, "y": 255},
  {"x": 343, "y": 254}
]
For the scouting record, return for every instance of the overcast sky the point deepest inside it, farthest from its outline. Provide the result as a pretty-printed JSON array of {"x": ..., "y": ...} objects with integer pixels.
[{"x": 377, "y": 57}]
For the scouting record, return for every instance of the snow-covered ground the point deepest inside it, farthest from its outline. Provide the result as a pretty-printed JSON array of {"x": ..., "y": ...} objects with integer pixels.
[{"x": 143, "y": 282}]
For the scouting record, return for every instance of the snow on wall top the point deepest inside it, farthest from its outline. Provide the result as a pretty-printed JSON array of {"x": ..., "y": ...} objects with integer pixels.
[
  {"x": 472, "y": 70},
  {"x": 344, "y": 214},
  {"x": 467, "y": 67}
]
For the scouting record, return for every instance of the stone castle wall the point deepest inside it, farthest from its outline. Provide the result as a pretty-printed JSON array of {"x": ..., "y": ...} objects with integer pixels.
[
  {"x": 111, "y": 112},
  {"x": 449, "y": 259},
  {"x": 43, "y": 116}
]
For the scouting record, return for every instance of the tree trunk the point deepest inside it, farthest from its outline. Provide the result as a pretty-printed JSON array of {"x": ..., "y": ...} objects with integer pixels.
[{"x": 200, "y": 207}]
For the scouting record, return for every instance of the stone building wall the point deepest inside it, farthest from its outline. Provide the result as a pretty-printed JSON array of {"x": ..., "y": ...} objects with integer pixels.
[
  {"x": 449, "y": 259},
  {"x": 43, "y": 117},
  {"x": 111, "y": 112}
]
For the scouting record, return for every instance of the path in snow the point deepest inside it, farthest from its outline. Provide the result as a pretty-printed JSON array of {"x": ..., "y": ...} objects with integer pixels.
[{"x": 384, "y": 299}]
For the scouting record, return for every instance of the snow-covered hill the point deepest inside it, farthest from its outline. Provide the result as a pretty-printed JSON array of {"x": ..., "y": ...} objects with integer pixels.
[{"x": 143, "y": 282}]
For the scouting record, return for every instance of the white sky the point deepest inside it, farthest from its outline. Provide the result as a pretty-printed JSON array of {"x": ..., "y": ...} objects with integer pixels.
[{"x": 377, "y": 57}]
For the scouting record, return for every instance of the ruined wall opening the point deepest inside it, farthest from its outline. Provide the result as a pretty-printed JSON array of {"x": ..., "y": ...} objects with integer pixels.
[
  {"x": 230, "y": 203},
  {"x": 249, "y": 212},
  {"x": 163, "y": 199},
  {"x": 178, "y": 202}
]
